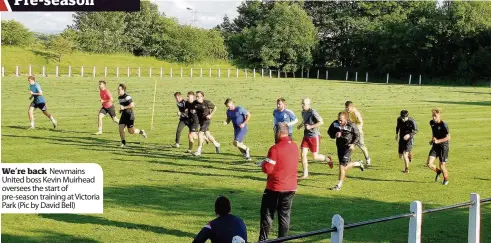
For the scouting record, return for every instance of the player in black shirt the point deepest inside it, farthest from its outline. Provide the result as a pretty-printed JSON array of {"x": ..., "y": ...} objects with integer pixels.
[
  {"x": 127, "y": 119},
  {"x": 439, "y": 145},
  {"x": 205, "y": 110},
  {"x": 347, "y": 136},
  {"x": 192, "y": 122},
  {"x": 406, "y": 129},
  {"x": 226, "y": 228},
  {"x": 183, "y": 117}
]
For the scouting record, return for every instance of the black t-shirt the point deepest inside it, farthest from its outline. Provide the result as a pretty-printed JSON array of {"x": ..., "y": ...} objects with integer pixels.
[
  {"x": 125, "y": 100},
  {"x": 181, "y": 106},
  {"x": 439, "y": 130},
  {"x": 204, "y": 109},
  {"x": 190, "y": 107},
  {"x": 406, "y": 127}
]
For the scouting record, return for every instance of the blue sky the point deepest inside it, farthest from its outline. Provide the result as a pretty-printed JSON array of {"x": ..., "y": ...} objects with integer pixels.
[{"x": 209, "y": 13}]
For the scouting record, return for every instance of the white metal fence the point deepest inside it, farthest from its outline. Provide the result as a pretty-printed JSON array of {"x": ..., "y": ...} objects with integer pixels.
[{"x": 415, "y": 216}]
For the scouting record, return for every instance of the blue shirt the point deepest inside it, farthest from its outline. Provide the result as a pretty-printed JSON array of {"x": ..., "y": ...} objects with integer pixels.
[
  {"x": 35, "y": 88},
  {"x": 284, "y": 116},
  {"x": 222, "y": 230},
  {"x": 237, "y": 116}
]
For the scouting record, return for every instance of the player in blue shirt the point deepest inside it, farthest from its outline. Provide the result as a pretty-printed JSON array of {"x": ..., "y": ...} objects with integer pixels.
[
  {"x": 281, "y": 114},
  {"x": 239, "y": 118},
  {"x": 226, "y": 228},
  {"x": 38, "y": 102}
]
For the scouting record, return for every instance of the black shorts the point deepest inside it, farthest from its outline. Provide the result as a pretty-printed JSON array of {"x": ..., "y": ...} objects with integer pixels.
[
  {"x": 127, "y": 119},
  {"x": 344, "y": 155},
  {"x": 109, "y": 111},
  {"x": 204, "y": 125},
  {"x": 440, "y": 151},
  {"x": 405, "y": 146},
  {"x": 41, "y": 106}
]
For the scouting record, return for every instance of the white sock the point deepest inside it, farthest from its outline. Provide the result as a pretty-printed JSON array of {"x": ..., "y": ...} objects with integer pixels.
[
  {"x": 216, "y": 144},
  {"x": 340, "y": 184},
  {"x": 199, "y": 149},
  {"x": 99, "y": 129},
  {"x": 32, "y": 124},
  {"x": 52, "y": 119},
  {"x": 357, "y": 164}
]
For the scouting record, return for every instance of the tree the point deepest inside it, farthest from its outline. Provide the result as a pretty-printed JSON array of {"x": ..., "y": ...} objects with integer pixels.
[
  {"x": 15, "y": 34},
  {"x": 60, "y": 46},
  {"x": 139, "y": 28}
]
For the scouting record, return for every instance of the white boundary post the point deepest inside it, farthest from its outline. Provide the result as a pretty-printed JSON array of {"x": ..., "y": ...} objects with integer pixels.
[
  {"x": 415, "y": 222},
  {"x": 191, "y": 72},
  {"x": 219, "y": 72},
  {"x": 279, "y": 73},
  {"x": 30, "y": 70},
  {"x": 44, "y": 71},
  {"x": 410, "y": 76},
  {"x": 254, "y": 73},
  {"x": 150, "y": 72},
  {"x": 245, "y": 72},
  {"x": 161, "y": 72},
  {"x": 93, "y": 72},
  {"x": 171, "y": 72},
  {"x": 181, "y": 72},
  {"x": 3, "y": 71},
  {"x": 69, "y": 71},
  {"x": 81, "y": 71},
  {"x": 302, "y": 72},
  {"x": 338, "y": 222},
  {"x": 346, "y": 75},
  {"x": 210, "y": 73},
  {"x": 262, "y": 72},
  {"x": 56, "y": 72},
  {"x": 139, "y": 71},
  {"x": 17, "y": 71},
  {"x": 420, "y": 79},
  {"x": 387, "y": 78},
  {"x": 317, "y": 73},
  {"x": 228, "y": 73},
  {"x": 237, "y": 73},
  {"x": 366, "y": 77},
  {"x": 308, "y": 73},
  {"x": 356, "y": 76},
  {"x": 128, "y": 72},
  {"x": 201, "y": 72},
  {"x": 117, "y": 72},
  {"x": 327, "y": 75},
  {"x": 270, "y": 73},
  {"x": 475, "y": 219},
  {"x": 105, "y": 71}
]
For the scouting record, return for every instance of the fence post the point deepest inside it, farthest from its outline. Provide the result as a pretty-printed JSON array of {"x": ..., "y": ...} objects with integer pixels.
[
  {"x": 139, "y": 71},
  {"x": 270, "y": 73},
  {"x": 366, "y": 77},
  {"x": 181, "y": 72},
  {"x": 420, "y": 79},
  {"x": 237, "y": 73},
  {"x": 387, "y": 78},
  {"x": 302, "y": 72},
  {"x": 117, "y": 72},
  {"x": 128, "y": 72},
  {"x": 279, "y": 73},
  {"x": 30, "y": 70},
  {"x": 228, "y": 73},
  {"x": 105, "y": 71},
  {"x": 415, "y": 222},
  {"x": 150, "y": 72},
  {"x": 286, "y": 74},
  {"x": 338, "y": 222},
  {"x": 210, "y": 73},
  {"x": 410, "y": 76},
  {"x": 262, "y": 72},
  {"x": 161, "y": 72},
  {"x": 93, "y": 71},
  {"x": 171, "y": 72},
  {"x": 356, "y": 76},
  {"x": 317, "y": 73},
  {"x": 57, "y": 71},
  {"x": 245, "y": 72},
  {"x": 82, "y": 71},
  {"x": 191, "y": 72},
  {"x": 69, "y": 71},
  {"x": 17, "y": 71},
  {"x": 254, "y": 72},
  {"x": 3, "y": 71},
  {"x": 308, "y": 73},
  {"x": 44, "y": 71},
  {"x": 474, "y": 219},
  {"x": 327, "y": 75},
  {"x": 346, "y": 75},
  {"x": 219, "y": 72},
  {"x": 201, "y": 72}
]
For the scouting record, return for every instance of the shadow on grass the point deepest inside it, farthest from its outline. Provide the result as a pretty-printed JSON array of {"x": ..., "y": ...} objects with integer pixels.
[
  {"x": 478, "y": 103},
  {"x": 472, "y": 92},
  {"x": 47, "y": 129},
  {"x": 47, "y": 236},
  {"x": 211, "y": 175},
  {"x": 48, "y": 56},
  {"x": 87, "y": 219}
]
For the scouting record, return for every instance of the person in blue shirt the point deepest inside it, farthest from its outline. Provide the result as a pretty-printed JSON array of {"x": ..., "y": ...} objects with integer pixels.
[
  {"x": 281, "y": 114},
  {"x": 239, "y": 118},
  {"x": 226, "y": 228},
  {"x": 38, "y": 101}
]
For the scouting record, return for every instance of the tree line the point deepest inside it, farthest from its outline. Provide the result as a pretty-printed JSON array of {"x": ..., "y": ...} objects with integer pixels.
[{"x": 449, "y": 39}]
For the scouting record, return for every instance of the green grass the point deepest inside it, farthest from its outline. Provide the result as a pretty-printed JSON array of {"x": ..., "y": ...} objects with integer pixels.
[
  {"x": 13, "y": 56},
  {"x": 153, "y": 193}
]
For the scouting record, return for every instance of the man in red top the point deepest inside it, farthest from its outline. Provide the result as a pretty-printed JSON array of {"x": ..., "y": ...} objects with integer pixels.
[
  {"x": 107, "y": 106},
  {"x": 281, "y": 167}
]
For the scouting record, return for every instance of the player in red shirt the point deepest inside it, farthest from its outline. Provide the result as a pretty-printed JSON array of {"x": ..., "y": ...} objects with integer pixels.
[
  {"x": 107, "y": 106},
  {"x": 281, "y": 167}
]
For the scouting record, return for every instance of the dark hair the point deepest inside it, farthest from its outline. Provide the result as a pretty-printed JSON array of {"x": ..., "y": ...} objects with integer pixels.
[
  {"x": 222, "y": 206},
  {"x": 31, "y": 78},
  {"x": 281, "y": 99},
  {"x": 228, "y": 100},
  {"x": 123, "y": 86},
  {"x": 191, "y": 93},
  {"x": 200, "y": 92},
  {"x": 404, "y": 113},
  {"x": 348, "y": 103},
  {"x": 177, "y": 94},
  {"x": 102, "y": 82}
]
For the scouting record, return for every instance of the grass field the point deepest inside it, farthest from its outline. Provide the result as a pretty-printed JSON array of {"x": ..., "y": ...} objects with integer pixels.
[{"x": 154, "y": 193}]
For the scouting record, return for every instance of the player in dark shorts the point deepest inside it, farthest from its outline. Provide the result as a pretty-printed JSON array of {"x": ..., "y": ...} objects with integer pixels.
[
  {"x": 38, "y": 102},
  {"x": 406, "y": 129},
  {"x": 347, "y": 136},
  {"x": 205, "y": 110},
  {"x": 439, "y": 145},
  {"x": 107, "y": 106},
  {"x": 127, "y": 119},
  {"x": 183, "y": 117}
]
